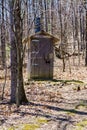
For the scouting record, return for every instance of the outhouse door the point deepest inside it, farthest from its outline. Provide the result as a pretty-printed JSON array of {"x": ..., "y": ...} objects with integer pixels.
[{"x": 41, "y": 58}]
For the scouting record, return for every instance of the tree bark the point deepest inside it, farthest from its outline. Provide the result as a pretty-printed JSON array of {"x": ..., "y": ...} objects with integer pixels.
[
  {"x": 13, "y": 55},
  {"x": 86, "y": 40},
  {"x": 46, "y": 24},
  {"x": 3, "y": 48},
  {"x": 20, "y": 93}
]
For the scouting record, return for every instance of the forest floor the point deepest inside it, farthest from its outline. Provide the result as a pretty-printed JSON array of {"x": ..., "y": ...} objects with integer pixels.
[{"x": 59, "y": 104}]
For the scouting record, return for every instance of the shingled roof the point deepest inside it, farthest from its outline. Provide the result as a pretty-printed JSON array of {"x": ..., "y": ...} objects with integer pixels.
[{"x": 42, "y": 34}]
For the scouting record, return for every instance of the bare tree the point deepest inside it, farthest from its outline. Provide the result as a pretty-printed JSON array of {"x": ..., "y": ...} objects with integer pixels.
[
  {"x": 13, "y": 54},
  {"x": 3, "y": 45},
  {"x": 20, "y": 93},
  {"x": 86, "y": 34},
  {"x": 17, "y": 93}
]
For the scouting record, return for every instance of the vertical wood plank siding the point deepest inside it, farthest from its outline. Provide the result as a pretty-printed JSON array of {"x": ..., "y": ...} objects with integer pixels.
[{"x": 42, "y": 58}]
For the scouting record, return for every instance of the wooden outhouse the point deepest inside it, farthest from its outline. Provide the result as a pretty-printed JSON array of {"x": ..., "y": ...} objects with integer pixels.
[{"x": 41, "y": 55}]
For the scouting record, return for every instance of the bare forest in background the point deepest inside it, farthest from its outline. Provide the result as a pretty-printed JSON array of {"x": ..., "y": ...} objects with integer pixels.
[
  {"x": 59, "y": 103},
  {"x": 62, "y": 18},
  {"x": 65, "y": 19}
]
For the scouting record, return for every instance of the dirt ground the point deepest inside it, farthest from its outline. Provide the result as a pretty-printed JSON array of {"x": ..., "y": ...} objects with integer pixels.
[{"x": 59, "y": 104}]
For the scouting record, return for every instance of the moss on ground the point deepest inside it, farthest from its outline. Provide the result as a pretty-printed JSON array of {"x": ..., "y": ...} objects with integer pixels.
[
  {"x": 81, "y": 125},
  {"x": 33, "y": 126},
  {"x": 12, "y": 128},
  {"x": 41, "y": 121},
  {"x": 30, "y": 126}
]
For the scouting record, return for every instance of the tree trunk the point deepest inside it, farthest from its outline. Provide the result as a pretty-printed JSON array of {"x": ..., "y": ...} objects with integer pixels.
[
  {"x": 46, "y": 24},
  {"x": 86, "y": 40},
  {"x": 41, "y": 14},
  {"x": 61, "y": 26},
  {"x": 20, "y": 93},
  {"x": 13, "y": 55},
  {"x": 3, "y": 48},
  {"x": 52, "y": 16}
]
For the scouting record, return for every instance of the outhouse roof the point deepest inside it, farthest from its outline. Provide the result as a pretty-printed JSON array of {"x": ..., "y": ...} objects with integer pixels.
[{"x": 40, "y": 34}]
